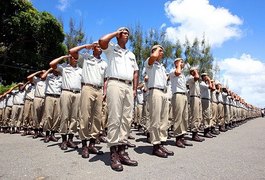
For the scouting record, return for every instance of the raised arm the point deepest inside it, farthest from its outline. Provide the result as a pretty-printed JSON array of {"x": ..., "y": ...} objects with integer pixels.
[
  {"x": 30, "y": 77},
  {"x": 104, "y": 40},
  {"x": 24, "y": 85},
  {"x": 44, "y": 75},
  {"x": 178, "y": 67},
  {"x": 12, "y": 88},
  {"x": 53, "y": 63},
  {"x": 195, "y": 75},
  {"x": 74, "y": 51}
]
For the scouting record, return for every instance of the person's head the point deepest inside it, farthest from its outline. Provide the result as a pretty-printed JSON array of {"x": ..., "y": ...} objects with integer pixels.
[
  {"x": 179, "y": 60},
  {"x": 55, "y": 72},
  {"x": 160, "y": 49},
  {"x": 123, "y": 36},
  {"x": 193, "y": 71},
  {"x": 73, "y": 60},
  {"x": 97, "y": 51},
  {"x": 218, "y": 85},
  {"x": 203, "y": 76}
]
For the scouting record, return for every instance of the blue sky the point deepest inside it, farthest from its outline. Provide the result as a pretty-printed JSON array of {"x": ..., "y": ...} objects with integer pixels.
[{"x": 234, "y": 28}]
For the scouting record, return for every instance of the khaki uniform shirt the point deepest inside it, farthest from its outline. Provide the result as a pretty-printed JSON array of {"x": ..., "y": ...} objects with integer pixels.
[
  {"x": 40, "y": 86},
  {"x": 71, "y": 76},
  {"x": 53, "y": 84},
  {"x": 94, "y": 70},
  {"x": 157, "y": 76},
  {"x": 178, "y": 83},
  {"x": 194, "y": 86},
  {"x": 121, "y": 62}
]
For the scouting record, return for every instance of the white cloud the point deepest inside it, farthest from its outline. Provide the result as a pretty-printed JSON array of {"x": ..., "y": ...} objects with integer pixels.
[
  {"x": 246, "y": 77},
  {"x": 193, "y": 18},
  {"x": 63, "y": 4}
]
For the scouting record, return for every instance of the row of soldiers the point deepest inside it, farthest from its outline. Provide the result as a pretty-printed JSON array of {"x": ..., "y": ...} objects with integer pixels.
[{"x": 90, "y": 96}]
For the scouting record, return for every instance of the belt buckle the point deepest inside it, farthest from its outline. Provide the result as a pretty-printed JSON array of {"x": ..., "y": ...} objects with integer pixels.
[
  {"x": 165, "y": 90},
  {"x": 75, "y": 91},
  {"x": 127, "y": 82}
]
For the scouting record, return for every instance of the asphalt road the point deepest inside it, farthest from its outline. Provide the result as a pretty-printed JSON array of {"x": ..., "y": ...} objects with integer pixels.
[{"x": 236, "y": 154}]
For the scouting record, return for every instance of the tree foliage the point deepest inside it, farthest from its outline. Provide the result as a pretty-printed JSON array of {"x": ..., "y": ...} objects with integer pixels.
[
  {"x": 75, "y": 36},
  {"x": 29, "y": 39},
  {"x": 196, "y": 53}
]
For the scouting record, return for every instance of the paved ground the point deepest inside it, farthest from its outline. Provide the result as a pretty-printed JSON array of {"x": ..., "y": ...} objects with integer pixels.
[{"x": 236, "y": 154}]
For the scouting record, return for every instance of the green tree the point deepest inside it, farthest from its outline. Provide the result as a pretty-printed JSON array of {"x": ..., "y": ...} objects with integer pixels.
[
  {"x": 75, "y": 36},
  {"x": 29, "y": 39},
  {"x": 136, "y": 44}
]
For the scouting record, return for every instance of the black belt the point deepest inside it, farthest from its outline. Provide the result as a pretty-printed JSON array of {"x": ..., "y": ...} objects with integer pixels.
[
  {"x": 183, "y": 93},
  {"x": 19, "y": 104},
  {"x": 195, "y": 96},
  {"x": 53, "y": 95},
  {"x": 29, "y": 99},
  {"x": 73, "y": 91},
  {"x": 206, "y": 99},
  {"x": 91, "y": 85},
  {"x": 157, "y": 89},
  {"x": 121, "y": 80}
]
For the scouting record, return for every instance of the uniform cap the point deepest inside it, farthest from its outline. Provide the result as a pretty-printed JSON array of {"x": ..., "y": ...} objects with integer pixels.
[
  {"x": 124, "y": 28},
  {"x": 204, "y": 74},
  {"x": 178, "y": 59},
  {"x": 193, "y": 68},
  {"x": 217, "y": 82},
  {"x": 156, "y": 46}
]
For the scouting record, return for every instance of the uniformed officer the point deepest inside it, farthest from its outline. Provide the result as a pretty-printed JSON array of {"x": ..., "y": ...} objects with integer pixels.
[
  {"x": 69, "y": 99},
  {"x": 220, "y": 107},
  {"x": 93, "y": 76},
  {"x": 51, "y": 115},
  {"x": 195, "y": 103},
  {"x": 158, "y": 101},
  {"x": 17, "y": 108},
  {"x": 122, "y": 76},
  {"x": 38, "y": 102},
  {"x": 9, "y": 122},
  {"x": 205, "y": 88},
  {"x": 214, "y": 105},
  {"x": 28, "y": 109},
  {"x": 8, "y": 109},
  {"x": 179, "y": 103}
]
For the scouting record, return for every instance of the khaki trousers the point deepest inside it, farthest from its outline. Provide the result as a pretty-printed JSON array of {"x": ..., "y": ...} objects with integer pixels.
[
  {"x": 226, "y": 114},
  {"x": 7, "y": 116},
  {"x": 104, "y": 120},
  {"x": 195, "y": 113},
  {"x": 69, "y": 103},
  {"x": 146, "y": 115},
  {"x": 17, "y": 115},
  {"x": 90, "y": 112},
  {"x": 120, "y": 109},
  {"x": 158, "y": 106},
  {"x": 180, "y": 113},
  {"x": 213, "y": 121},
  {"x": 38, "y": 109},
  {"x": 206, "y": 112},
  {"x": 51, "y": 115},
  {"x": 28, "y": 114},
  {"x": 139, "y": 113},
  {"x": 220, "y": 114}
]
